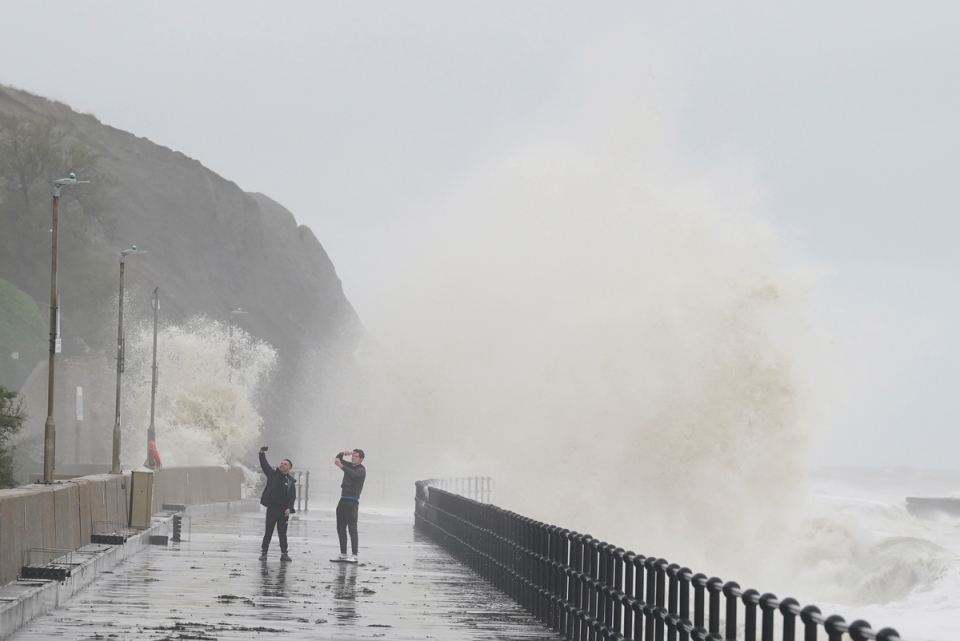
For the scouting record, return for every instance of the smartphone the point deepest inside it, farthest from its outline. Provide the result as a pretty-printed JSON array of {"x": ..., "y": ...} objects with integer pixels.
[{"x": 264, "y": 449}]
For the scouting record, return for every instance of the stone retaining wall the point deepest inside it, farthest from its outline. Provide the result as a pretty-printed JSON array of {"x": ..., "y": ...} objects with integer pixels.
[{"x": 64, "y": 514}]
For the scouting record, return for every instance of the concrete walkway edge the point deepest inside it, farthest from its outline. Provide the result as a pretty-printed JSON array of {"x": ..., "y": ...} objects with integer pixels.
[{"x": 23, "y": 600}]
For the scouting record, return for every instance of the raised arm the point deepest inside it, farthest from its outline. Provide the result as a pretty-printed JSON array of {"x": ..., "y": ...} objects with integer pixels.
[{"x": 264, "y": 465}]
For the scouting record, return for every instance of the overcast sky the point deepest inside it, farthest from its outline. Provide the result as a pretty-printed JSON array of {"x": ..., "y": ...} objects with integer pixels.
[{"x": 355, "y": 115}]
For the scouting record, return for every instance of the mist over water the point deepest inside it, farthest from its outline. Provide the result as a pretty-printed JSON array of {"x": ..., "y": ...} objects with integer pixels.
[
  {"x": 618, "y": 341},
  {"x": 206, "y": 405}
]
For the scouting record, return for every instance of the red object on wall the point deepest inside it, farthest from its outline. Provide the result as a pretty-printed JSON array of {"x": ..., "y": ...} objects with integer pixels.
[{"x": 156, "y": 455}]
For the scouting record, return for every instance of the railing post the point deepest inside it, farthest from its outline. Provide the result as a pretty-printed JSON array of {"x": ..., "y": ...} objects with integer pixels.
[
  {"x": 860, "y": 630},
  {"x": 595, "y": 598},
  {"x": 661, "y": 567},
  {"x": 750, "y": 598},
  {"x": 639, "y": 565},
  {"x": 768, "y": 605},
  {"x": 790, "y": 608},
  {"x": 835, "y": 627},
  {"x": 684, "y": 576},
  {"x": 699, "y": 581},
  {"x": 811, "y": 618},
  {"x": 673, "y": 595},
  {"x": 731, "y": 590},
  {"x": 299, "y": 494},
  {"x": 629, "y": 593},
  {"x": 714, "y": 586},
  {"x": 649, "y": 609},
  {"x": 306, "y": 492},
  {"x": 610, "y": 560}
]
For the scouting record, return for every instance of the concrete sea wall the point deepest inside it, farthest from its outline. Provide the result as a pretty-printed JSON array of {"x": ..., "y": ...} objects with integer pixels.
[{"x": 63, "y": 515}]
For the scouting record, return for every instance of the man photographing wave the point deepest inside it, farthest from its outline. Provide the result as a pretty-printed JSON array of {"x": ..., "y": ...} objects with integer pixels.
[
  {"x": 279, "y": 497},
  {"x": 348, "y": 508}
]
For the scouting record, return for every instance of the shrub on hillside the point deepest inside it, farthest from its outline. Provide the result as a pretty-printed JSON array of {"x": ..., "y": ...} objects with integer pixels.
[{"x": 12, "y": 417}]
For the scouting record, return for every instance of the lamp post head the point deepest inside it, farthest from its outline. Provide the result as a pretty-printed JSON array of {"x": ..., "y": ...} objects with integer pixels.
[
  {"x": 71, "y": 180},
  {"x": 132, "y": 250}
]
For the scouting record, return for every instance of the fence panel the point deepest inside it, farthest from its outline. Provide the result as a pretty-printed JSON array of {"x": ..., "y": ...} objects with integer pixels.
[{"x": 588, "y": 590}]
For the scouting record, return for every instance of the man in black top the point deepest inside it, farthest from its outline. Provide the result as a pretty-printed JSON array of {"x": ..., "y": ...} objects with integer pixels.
[
  {"x": 354, "y": 475},
  {"x": 279, "y": 497}
]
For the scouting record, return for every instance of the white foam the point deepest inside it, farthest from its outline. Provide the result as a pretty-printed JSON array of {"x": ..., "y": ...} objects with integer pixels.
[{"x": 206, "y": 406}]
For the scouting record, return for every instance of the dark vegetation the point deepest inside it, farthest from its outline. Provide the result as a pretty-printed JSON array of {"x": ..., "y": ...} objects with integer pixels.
[
  {"x": 12, "y": 417},
  {"x": 23, "y": 332}
]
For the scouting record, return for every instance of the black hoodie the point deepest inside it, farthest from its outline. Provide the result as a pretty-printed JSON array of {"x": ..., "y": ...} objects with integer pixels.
[{"x": 281, "y": 490}]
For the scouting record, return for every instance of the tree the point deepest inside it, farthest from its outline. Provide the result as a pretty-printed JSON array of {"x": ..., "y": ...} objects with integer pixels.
[{"x": 12, "y": 417}]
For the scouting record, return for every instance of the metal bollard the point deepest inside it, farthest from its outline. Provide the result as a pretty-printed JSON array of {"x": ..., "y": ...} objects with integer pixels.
[{"x": 306, "y": 494}]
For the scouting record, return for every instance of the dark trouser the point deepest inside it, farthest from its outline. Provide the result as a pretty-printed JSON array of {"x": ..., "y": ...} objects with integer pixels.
[
  {"x": 276, "y": 518},
  {"x": 347, "y": 518}
]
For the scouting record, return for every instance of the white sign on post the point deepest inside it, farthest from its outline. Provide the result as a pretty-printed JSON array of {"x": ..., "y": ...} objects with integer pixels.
[{"x": 57, "y": 345}]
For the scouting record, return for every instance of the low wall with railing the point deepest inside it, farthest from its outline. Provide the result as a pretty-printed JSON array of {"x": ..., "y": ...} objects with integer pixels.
[
  {"x": 63, "y": 515},
  {"x": 588, "y": 589}
]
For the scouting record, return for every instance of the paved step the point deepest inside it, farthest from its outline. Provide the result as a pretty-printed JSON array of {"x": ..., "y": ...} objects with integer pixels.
[{"x": 211, "y": 586}]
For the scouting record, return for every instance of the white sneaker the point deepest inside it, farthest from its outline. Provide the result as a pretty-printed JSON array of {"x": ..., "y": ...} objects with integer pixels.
[
  {"x": 352, "y": 559},
  {"x": 342, "y": 557}
]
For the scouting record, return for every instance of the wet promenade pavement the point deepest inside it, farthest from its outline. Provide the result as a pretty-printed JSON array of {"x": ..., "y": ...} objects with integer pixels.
[{"x": 212, "y": 587}]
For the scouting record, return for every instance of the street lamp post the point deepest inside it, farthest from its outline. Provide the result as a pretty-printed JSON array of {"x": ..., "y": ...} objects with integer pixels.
[
  {"x": 231, "y": 358},
  {"x": 50, "y": 429},
  {"x": 120, "y": 356},
  {"x": 152, "y": 430}
]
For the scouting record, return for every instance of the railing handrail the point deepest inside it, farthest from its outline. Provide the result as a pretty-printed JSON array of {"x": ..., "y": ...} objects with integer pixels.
[{"x": 589, "y": 589}]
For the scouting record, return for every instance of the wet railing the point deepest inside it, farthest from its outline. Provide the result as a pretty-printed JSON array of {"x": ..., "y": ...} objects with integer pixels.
[
  {"x": 478, "y": 488},
  {"x": 587, "y": 589}
]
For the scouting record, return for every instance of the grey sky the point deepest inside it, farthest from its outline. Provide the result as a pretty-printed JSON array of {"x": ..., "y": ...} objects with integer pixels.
[{"x": 356, "y": 115}]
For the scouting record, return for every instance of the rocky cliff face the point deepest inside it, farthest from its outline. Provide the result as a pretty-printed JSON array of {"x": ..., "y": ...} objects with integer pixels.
[{"x": 212, "y": 248}]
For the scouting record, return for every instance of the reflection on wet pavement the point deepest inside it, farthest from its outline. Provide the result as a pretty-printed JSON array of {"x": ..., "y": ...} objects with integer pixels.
[
  {"x": 345, "y": 593},
  {"x": 212, "y": 587}
]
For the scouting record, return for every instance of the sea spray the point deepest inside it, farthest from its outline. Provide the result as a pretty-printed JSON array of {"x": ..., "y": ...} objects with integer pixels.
[
  {"x": 619, "y": 341},
  {"x": 622, "y": 344},
  {"x": 209, "y": 385}
]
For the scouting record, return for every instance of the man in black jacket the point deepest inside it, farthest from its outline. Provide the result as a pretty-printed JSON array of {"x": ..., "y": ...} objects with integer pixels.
[
  {"x": 354, "y": 475},
  {"x": 278, "y": 497}
]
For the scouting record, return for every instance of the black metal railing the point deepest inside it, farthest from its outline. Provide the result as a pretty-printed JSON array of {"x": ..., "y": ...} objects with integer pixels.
[
  {"x": 587, "y": 589},
  {"x": 478, "y": 488}
]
